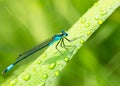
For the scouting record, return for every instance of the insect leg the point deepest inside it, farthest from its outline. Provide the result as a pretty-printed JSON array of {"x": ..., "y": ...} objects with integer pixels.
[{"x": 57, "y": 47}]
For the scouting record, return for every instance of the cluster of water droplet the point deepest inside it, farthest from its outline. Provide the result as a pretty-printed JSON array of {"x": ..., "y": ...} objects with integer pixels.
[
  {"x": 86, "y": 24},
  {"x": 27, "y": 76},
  {"x": 98, "y": 18}
]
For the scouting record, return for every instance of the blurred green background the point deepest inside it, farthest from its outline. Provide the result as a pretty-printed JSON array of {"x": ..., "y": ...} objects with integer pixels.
[{"x": 25, "y": 23}]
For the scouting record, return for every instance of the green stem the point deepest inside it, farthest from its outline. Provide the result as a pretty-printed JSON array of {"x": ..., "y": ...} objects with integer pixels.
[{"x": 45, "y": 69}]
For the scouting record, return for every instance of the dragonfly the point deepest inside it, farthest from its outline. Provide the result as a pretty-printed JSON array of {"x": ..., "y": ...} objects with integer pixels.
[{"x": 57, "y": 37}]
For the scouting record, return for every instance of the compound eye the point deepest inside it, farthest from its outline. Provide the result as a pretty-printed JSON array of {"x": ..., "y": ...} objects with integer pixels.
[{"x": 66, "y": 34}]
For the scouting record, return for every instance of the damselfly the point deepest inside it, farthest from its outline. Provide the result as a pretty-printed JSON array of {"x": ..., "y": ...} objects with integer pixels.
[{"x": 58, "y": 37}]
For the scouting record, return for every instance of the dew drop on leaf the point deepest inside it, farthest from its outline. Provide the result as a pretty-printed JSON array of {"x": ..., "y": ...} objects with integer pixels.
[
  {"x": 12, "y": 83},
  {"x": 81, "y": 41},
  {"x": 44, "y": 55},
  {"x": 96, "y": 4},
  {"x": 102, "y": 12},
  {"x": 89, "y": 32},
  {"x": 33, "y": 69},
  {"x": 66, "y": 59},
  {"x": 57, "y": 73},
  {"x": 87, "y": 25},
  {"x": 38, "y": 62},
  {"x": 41, "y": 84},
  {"x": 100, "y": 22},
  {"x": 52, "y": 66},
  {"x": 83, "y": 20},
  {"x": 45, "y": 76},
  {"x": 26, "y": 77}
]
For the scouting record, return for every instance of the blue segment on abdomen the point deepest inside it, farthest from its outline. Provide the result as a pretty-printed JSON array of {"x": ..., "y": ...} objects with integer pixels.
[
  {"x": 55, "y": 39},
  {"x": 10, "y": 67}
]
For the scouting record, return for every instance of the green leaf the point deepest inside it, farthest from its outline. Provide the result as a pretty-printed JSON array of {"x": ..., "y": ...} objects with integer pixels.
[{"x": 47, "y": 67}]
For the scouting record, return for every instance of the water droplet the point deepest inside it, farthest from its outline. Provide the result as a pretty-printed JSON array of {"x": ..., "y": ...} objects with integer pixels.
[
  {"x": 34, "y": 69},
  {"x": 27, "y": 77},
  {"x": 57, "y": 73},
  {"x": 45, "y": 76},
  {"x": 87, "y": 25},
  {"x": 41, "y": 84},
  {"x": 38, "y": 62},
  {"x": 44, "y": 55},
  {"x": 96, "y": 4},
  {"x": 13, "y": 82},
  {"x": 81, "y": 41},
  {"x": 89, "y": 32},
  {"x": 100, "y": 22},
  {"x": 52, "y": 66},
  {"x": 83, "y": 20},
  {"x": 103, "y": 12},
  {"x": 66, "y": 59}
]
